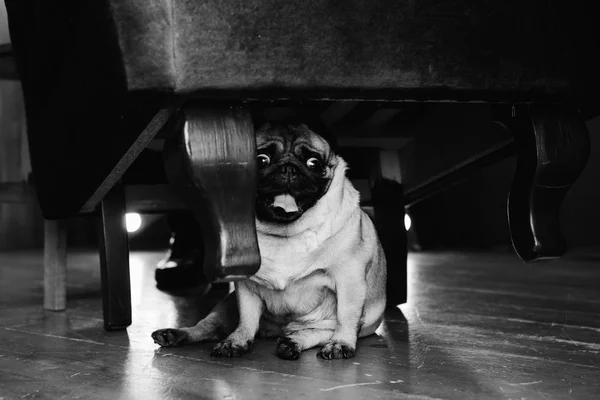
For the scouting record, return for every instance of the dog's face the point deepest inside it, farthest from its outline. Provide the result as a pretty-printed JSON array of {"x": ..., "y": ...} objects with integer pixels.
[{"x": 295, "y": 168}]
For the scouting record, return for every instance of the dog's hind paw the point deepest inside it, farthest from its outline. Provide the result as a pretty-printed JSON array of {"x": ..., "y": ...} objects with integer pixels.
[
  {"x": 170, "y": 337},
  {"x": 333, "y": 350},
  {"x": 227, "y": 348},
  {"x": 288, "y": 349}
]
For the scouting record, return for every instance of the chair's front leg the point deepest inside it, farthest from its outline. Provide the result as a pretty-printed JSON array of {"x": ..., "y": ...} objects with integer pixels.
[
  {"x": 553, "y": 147},
  {"x": 214, "y": 164},
  {"x": 114, "y": 261}
]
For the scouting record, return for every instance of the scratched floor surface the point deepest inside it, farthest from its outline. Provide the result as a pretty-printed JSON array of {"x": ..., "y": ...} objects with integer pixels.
[{"x": 477, "y": 325}]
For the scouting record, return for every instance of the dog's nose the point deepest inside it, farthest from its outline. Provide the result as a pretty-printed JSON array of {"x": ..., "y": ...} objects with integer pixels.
[{"x": 289, "y": 171}]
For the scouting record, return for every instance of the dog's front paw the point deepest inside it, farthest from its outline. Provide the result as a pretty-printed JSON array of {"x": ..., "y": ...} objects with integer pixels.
[
  {"x": 228, "y": 348},
  {"x": 288, "y": 349},
  {"x": 334, "y": 350},
  {"x": 169, "y": 337}
]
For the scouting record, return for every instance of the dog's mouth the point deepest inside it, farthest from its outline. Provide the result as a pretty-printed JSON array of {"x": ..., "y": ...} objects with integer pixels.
[
  {"x": 280, "y": 208},
  {"x": 285, "y": 208},
  {"x": 286, "y": 202}
]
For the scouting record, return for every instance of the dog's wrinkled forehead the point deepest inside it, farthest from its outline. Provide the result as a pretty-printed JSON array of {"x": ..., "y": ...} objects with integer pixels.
[{"x": 289, "y": 137}]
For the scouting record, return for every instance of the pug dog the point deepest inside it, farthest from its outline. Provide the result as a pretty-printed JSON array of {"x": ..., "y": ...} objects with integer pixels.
[{"x": 323, "y": 272}]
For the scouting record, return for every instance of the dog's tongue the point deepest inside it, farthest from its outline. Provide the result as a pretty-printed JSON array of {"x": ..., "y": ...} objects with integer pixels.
[{"x": 285, "y": 201}]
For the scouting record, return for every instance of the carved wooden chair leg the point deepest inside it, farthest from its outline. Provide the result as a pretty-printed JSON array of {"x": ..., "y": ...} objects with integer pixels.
[
  {"x": 114, "y": 261},
  {"x": 214, "y": 164},
  {"x": 55, "y": 265},
  {"x": 388, "y": 208},
  {"x": 553, "y": 147}
]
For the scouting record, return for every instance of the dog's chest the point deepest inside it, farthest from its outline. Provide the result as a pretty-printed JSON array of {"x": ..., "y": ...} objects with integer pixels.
[
  {"x": 298, "y": 300},
  {"x": 285, "y": 262}
]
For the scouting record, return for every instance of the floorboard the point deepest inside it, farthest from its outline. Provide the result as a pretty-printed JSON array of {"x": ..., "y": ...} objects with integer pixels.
[{"x": 478, "y": 325}]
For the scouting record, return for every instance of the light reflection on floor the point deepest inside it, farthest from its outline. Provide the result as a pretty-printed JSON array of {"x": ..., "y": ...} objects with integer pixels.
[
  {"x": 477, "y": 326},
  {"x": 152, "y": 309}
]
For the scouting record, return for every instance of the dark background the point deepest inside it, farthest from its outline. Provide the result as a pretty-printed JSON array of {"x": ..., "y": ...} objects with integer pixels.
[{"x": 471, "y": 214}]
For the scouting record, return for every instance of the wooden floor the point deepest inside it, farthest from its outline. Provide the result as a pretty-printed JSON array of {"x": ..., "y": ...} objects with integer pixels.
[{"x": 476, "y": 326}]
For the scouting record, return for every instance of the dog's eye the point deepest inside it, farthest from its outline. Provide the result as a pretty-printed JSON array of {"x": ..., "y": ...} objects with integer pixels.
[
  {"x": 263, "y": 160},
  {"x": 313, "y": 163}
]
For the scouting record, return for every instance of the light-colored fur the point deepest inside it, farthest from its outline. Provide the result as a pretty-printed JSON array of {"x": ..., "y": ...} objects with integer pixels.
[{"x": 321, "y": 281}]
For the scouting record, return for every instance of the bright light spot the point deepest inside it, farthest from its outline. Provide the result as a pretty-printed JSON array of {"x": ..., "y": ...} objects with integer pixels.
[
  {"x": 133, "y": 222},
  {"x": 407, "y": 222}
]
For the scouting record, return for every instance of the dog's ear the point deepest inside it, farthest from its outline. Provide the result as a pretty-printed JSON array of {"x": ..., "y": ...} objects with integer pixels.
[
  {"x": 258, "y": 121},
  {"x": 317, "y": 125},
  {"x": 296, "y": 115}
]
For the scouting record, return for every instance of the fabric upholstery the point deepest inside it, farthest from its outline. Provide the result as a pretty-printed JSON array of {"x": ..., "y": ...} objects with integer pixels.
[
  {"x": 513, "y": 45},
  {"x": 94, "y": 73},
  {"x": 145, "y": 32}
]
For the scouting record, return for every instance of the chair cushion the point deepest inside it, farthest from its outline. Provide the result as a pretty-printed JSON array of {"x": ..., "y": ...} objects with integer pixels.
[
  {"x": 94, "y": 73},
  {"x": 357, "y": 45}
]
